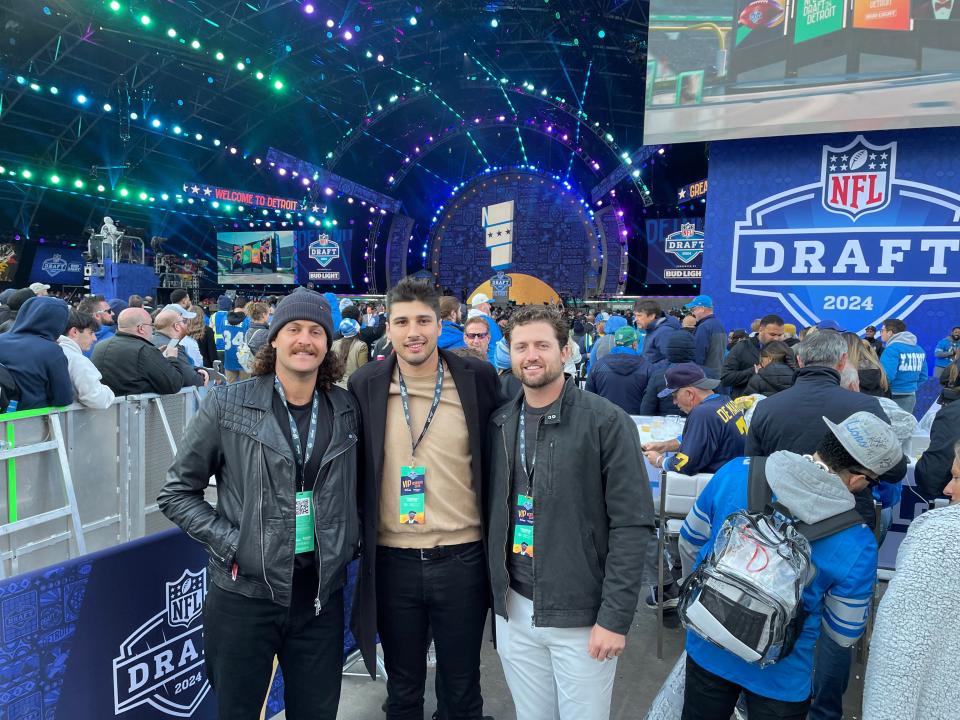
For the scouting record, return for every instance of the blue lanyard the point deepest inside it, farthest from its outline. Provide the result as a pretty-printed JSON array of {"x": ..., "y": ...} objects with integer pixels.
[
  {"x": 295, "y": 433},
  {"x": 523, "y": 447},
  {"x": 405, "y": 399}
]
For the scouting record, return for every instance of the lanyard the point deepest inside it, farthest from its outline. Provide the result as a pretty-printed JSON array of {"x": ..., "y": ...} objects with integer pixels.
[
  {"x": 405, "y": 399},
  {"x": 295, "y": 433},
  {"x": 523, "y": 447}
]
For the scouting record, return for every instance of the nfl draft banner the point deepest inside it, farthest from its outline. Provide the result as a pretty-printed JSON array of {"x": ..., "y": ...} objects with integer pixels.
[
  {"x": 324, "y": 259},
  {"x": 854, "y": 228}
]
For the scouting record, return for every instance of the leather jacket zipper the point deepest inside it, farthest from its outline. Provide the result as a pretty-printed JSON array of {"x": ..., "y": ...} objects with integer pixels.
[
  {"x": 506, "y": 569},
  {"x": 263, "y": 561},
  {"x": 316, "y": 601}
]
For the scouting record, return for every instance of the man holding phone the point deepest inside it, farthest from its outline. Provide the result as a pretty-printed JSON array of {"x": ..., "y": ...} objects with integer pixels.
[{"x": 169, "y": 328}]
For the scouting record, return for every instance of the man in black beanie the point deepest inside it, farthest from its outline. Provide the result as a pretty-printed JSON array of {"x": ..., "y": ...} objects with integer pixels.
[{"x": 283, "y": 447}]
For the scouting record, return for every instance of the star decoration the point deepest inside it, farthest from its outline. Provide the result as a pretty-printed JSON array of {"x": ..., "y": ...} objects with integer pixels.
[
  {"x": 194, "y": 189},
  {"x": 883, "y": 166},
  {"x": 873, "y": 166},
  {"x": 843, "y": 157},
  {"x": 883, "y": 156},
  {"x": 843, "y": 167},
  {"x": 207, "y": 191},
  {"x": 833, "y": 158},
  {"x": 832, "y": 168},
  {"x": 683, "y": 193}
]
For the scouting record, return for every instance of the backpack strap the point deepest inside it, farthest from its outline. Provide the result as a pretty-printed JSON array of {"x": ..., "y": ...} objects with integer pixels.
[
  {"x": 758, "y": 491},
  {"x": 830, "y": 526}
]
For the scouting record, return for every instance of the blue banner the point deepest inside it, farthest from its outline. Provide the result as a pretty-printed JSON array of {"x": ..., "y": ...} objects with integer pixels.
[
  {"x": 57, "y": 265},
  {"x": 853, "y": 228}
]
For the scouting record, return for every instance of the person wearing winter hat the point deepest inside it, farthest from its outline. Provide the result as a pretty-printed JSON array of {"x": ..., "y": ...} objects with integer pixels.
[
  {"x": 219, "y": 320},
  {"x": 283, "y": 448},
  {"x": 849, "y": 457},
  {"x": 352, "y": 351}
]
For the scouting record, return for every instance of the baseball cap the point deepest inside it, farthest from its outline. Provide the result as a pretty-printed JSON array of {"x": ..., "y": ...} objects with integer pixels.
[
  {"x": 625, "y": 336},
  {"x": 601, "y": 317},
  {"x": 38, "y": 287},
  {"x": 479, "y": 299},
  {"x": 828, "y": 325},
  {"x": 700, "y": 301},
  {"x": 684, "y": 375},
  {"x": 349, "y": 327},
  {"x": 180, "y": 310},
  {"x": 871, "y": 441},
  {"x": 471, "y": 314}
]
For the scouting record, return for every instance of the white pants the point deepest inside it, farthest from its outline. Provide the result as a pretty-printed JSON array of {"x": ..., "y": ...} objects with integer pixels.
[{"x": 548, "y": 670}]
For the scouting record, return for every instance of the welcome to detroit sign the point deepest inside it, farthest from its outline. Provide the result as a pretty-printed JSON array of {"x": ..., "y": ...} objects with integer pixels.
[{"x": 853, "y": 228}]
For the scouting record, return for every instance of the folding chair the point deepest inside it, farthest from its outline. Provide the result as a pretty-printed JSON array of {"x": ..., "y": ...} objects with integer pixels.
[{"x": 678, "y": 493}]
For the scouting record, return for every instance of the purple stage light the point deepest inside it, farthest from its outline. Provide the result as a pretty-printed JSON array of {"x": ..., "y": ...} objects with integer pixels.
[
  {"x": 348, "y": 35},
  {"x": 328, "y": 191},
  {"x": 566, "y": 137},
  {"x": 619, "y": 213},
  {"x": 549, "y": 128},
  {"x": 330, "y": 23},
  {"x": 306, "y": 181},
  {"x": 282, "y": 171},
  {"x": 308, "y": 9}
]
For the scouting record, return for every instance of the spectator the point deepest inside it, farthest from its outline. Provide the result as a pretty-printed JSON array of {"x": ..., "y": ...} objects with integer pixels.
[
  {"x": 914, "y": 651},
  {"x": 776, "y": 368},
  {"x": 793, "y": 420},
  {"x": 39, "y": 289},
  {"x": 79, "y": 337},
  {"x": 862, "y": 358},
  {"x": 30, "y": 352},
  {"x": 510, "y": 384},
  {"x": 180, "y": 297},
  {"x": 904, "y": 363},
  {"x": 790, "y": 334},
  {"x": 148, "y": 303},
  {"x": 370, "y": 316},
  {"x": 350, "y": 349},
  {"x": 743, "y": 361},
  {"x": 933, "y": 468},
  {"x": 848, "y": 458},
  {"x": 233, "y": 332},
  {"x": 679, "y": 349},
  {"x": 218, "y": 321},
  {"x": 482, "y": 303},
  {"x": 134, "y": 301},
  {"x": 99, "y": 308},
  {"x": 131, "y": 364},
  {"x": 169, "y": 329},
  {"x": 195, "y": 327},
  {"x": 607, "y": 340},
  {"x": 870, "y": 335},
  {"x": 206, "y": 340},
  {"x": 14, "y": 303},
  {"x": 451, "y": 336},
  {"x": 574, "y": 360},
  {"x": 736, "y": 337},
  {"x": 714, "y": 430},
  {"x": 368, "y": 335},
  {"x": 946, "y": 352},
  {"x": 4, "y": 307},
  {"x": 622, "y": 375},
  {"x": 689, "y": 323},
  {"x": 659, "y": 327},
  {"x": 710, "y": 336},
  {"x": 476, "y": 333},
  {"x": 258, "y": 331}
]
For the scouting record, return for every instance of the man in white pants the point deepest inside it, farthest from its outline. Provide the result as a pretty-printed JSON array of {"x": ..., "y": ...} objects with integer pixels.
[{"x": 571, "y": 530}]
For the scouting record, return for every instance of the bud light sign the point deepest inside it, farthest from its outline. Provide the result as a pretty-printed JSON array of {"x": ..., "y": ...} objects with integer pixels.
[{"x": 854, "y": 229}]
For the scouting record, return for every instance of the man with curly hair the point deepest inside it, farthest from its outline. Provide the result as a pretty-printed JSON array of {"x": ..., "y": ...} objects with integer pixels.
[{"x": 283, "y": 448}]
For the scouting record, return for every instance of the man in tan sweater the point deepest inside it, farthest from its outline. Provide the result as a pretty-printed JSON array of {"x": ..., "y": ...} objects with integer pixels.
[{"x": 424, "y": 413}]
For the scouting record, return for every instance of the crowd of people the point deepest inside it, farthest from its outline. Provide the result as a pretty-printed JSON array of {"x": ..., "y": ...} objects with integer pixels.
[{"x": 436, "y": 441}]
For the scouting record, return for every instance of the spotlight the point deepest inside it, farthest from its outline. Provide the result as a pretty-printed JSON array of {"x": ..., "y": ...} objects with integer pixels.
[
  {"x": 100, "y": 188},
  {"x": 124, "y": 192},
  {"x": 55, "y": 179},
  {"x": 143, "y": 196},
  {"x": 258, "y": 75},
  {"x": 134, "y": 116},
  {"x": 164, "y": 197},
  {"x": 54, "y": 90},
  {"x": 195, "y": 44},
  {"x": 27, "y": 174},
  {"x": 233, "y": 151},
  {"x": 114, "y": 5},
  {"x": 199, "y": 137},
  {"x": 601, "y": 33},
  {"x": 177, "y": 130},
  {"x": 34, "y": 87},
  {"x": 348, "y": 35},
  {"x": 81, "y": 99},
  {"x": 219, "y": 56},
  {"x": 171, "y": 33},
  {"x": 330, "y": 22},
  {"x": 413, "y": 20},
  {"x": 145, "y": 20},
  {"x": 308, "y": 9},
  {"x": 494, "y": 23},
  {"x": 241, "y": 67},
  {"x": 379, "y": 58},
  {"x": 216, "y": 143},
  {"x": 277, "y": 85}
]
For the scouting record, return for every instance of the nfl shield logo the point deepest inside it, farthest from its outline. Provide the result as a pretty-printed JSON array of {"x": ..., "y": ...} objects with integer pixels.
[
  {"x": 185, "y": 597},
  {"x": 857, "y": 178},
  {"x": 687, "y": 230},
  {"x": 324, "y": 250}
]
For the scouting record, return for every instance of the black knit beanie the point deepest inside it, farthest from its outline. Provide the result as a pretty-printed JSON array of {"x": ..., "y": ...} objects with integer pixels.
[{"x": 303, "y": 304}]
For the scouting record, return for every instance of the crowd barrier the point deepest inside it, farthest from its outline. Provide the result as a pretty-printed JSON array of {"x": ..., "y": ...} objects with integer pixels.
[{"x": 78, "y": 480}]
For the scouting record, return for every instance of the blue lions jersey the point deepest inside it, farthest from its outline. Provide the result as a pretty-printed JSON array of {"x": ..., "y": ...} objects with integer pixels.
[{"x": 232, "y": 337}]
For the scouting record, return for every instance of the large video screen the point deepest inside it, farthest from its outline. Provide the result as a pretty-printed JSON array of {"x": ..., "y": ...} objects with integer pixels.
[
  {"x": 323, "y": 258},
  {"x": 57, "y": 265},
  {"x": 674, "y": 250},
  {"x": 9, "y": 257},
  {"x": 723, "y": 69},
  {"x": 255, "y": 258}
]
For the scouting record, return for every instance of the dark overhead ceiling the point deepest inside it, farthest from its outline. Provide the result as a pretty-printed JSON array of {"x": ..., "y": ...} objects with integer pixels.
[{"x": 444, "y": 72}]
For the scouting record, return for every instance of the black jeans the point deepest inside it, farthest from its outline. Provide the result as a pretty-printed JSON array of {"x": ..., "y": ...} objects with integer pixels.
[
  {"x": 242, "y": 635},
  {"x": 448, "y": 595},
  {"x": 709, "y": 697}
]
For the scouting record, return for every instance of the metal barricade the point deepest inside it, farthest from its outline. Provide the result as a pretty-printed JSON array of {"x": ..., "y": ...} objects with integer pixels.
[{"x": 77, "y": 480}]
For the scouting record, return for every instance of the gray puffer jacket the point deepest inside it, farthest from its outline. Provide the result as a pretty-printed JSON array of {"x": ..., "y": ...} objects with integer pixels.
[{"x": 236, "y": 437}]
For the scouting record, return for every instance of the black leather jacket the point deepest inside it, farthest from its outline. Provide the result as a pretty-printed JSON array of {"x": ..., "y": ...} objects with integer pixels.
[
  {"x": 594, "y": 512},
  {"x": 236, "y": 437}
]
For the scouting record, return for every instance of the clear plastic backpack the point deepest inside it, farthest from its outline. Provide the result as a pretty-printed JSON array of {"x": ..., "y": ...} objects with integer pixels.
[{"x": 746, "y": 595}]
